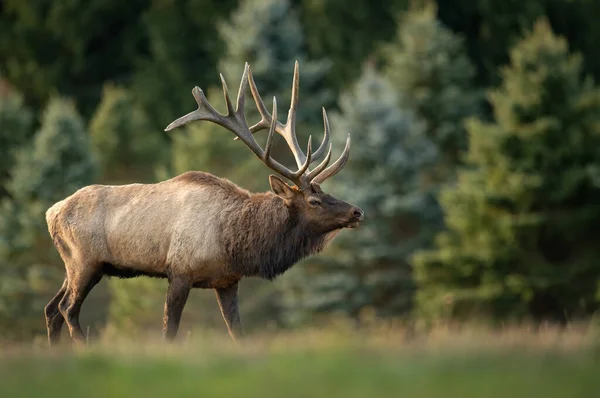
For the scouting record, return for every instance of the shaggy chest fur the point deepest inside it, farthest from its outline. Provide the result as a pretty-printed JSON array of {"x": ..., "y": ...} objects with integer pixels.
[{"x": 265, "y": 238}]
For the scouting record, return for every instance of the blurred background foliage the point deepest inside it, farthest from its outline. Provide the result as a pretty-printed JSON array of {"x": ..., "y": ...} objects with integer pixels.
[{"x": 476, "y": 136}]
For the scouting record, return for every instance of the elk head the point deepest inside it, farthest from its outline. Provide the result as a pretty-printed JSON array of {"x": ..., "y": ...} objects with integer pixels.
[{"x": 319, "y": 211}]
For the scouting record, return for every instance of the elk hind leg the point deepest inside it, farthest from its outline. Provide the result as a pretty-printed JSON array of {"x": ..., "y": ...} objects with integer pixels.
[
  {"x": 54, "y": 319},
  {"x": 79, "y": 285}
]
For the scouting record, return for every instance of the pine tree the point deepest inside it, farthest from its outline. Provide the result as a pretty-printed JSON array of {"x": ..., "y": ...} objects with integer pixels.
[
  {"x": 123, "y": 139},
  {"x": 183, "y": 47},
  {"x": 153, "y": 46},
  {"x": 429, "y": 64},
  {"x": 524, "y": 213},
  {"x": 368, "y": 267},
  {"x": 492, "y": 28},
  {"x": 56, "y": 163},
  {"x": 15, "y": 131},
  {"x": 345, "y": 34},
  {"x": 60, "y": 161},
  {"x": 430, "y": 80},
  {"x": 268, "y": 35}
]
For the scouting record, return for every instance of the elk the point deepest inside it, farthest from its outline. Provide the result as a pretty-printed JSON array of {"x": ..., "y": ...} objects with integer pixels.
[{"x": 198, "y": 230}]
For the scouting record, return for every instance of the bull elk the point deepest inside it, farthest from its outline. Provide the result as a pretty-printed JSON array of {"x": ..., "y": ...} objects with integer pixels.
[{"x": 198, "y": 230}]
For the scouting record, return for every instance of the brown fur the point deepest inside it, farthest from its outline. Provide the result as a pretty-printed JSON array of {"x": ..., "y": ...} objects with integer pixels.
[{"x": 196, "y": 229}]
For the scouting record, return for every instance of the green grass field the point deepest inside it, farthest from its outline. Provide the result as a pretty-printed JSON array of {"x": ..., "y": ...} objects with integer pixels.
[{"x": 460, "y": 364}]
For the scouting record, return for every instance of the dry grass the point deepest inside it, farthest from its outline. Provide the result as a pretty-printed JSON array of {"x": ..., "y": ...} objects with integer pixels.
[
  {"x": 380, "y": 360},
  {"x": 381, "y": 336}
]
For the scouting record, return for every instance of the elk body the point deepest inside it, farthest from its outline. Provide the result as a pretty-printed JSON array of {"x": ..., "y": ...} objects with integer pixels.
[{"x": 198, "y": 230}]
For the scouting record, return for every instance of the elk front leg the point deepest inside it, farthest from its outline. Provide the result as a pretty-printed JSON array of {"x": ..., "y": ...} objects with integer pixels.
[
  {"x": 177, "y": 294},
  {"x": 228, "y": 303}
]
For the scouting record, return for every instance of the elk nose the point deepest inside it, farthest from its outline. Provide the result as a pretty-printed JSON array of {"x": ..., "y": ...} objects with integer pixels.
[{"x": 358, "y": 213}]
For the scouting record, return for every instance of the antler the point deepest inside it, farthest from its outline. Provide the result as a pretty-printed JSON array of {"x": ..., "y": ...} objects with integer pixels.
[
  {"x": 288, "y": 132},
  {"x": 235, "y": 122}
]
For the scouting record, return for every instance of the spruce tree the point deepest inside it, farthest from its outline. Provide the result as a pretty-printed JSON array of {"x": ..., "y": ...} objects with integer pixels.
[
  {"x": 524, "y": 214},
  {"x": 60, "y": 160},
  {"x": 15, "y": 131},
  {"x": 268, "y": 35},
  {"x": 123, "y": 140},
  {"x": 368, "y": 267},
  {"x": 430, "y": 66},
  {"x": 57, "y": 162},
  {"x": 430, "y": 79},
  {"x": 347, "y": 33},
  {"x": 182, "y": 50},
  {"x": 492, "y": 28}
]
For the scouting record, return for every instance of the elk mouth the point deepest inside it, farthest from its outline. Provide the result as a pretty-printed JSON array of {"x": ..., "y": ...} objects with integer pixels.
[
  {"x": 357, "y": 216},
  {"x": 354, "y": 221},
  {"x": 353, "y": 224}
]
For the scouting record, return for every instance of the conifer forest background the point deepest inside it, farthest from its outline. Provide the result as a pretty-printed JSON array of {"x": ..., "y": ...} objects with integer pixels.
[{"x": 475, "y": 153}]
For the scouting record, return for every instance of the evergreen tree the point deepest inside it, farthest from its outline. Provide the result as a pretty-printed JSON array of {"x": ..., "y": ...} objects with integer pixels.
[
  {"x": 152, "y": 46},
  {"x": 54, "y": 165},
  {"x": 368, "y": 267},
  {"x": 431, "y": 87},
  {"x": 96, "y": 40},
  {"x": 123, "y": 139},
  {"x": 347, "y": 34},
  {"x": 492, "y": 28},
  {"x": 60, "y": 160},
  {"x": 429, "y": 64},
  {"x": 268, "y": 35},
  {"x": 183, "y": 47},
  {"x": 15, "y": 131},
  {"x": 523, "y": 216}
]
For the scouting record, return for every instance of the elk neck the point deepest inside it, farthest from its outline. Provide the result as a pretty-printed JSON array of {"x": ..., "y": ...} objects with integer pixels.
[{"x": 264, "y": 237}]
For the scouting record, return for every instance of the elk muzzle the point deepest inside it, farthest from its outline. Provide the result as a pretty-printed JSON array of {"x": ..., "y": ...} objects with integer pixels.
[{"x": 356, "y": 216}]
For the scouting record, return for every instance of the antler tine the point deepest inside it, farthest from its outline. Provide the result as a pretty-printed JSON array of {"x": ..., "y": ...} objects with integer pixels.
[
  {"x": 205, "y": 111},
  {"x": 326, "y": 135},
  {"x": 336, "y": 167},
  {"x": 298, "y": 174},
  {"x": 241, "y": 97},
  {"x": 291, "y": 120},
  {"x": 235, "y": 122},
  {"x": 265, "y": 121},
  {"x": 287, "y": 131},
  {"x": 315, "y": 172},
  {"x": 269, "y": 143},
  {"x": 230, "y": 110}
]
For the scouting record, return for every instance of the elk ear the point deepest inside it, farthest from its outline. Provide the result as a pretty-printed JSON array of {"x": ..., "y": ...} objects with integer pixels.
[{"x": 280, "y": 188}]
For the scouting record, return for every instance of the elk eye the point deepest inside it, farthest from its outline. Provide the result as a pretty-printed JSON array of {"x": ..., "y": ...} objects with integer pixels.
[{"x": 314, "y": 202}]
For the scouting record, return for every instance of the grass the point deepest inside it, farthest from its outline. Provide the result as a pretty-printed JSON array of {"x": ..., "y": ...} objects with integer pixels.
[{"x": 329, "y": 363}]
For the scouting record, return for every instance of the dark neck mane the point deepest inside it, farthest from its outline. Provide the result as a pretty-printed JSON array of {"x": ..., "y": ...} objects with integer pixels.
[{"x": 264, "y": 238}]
